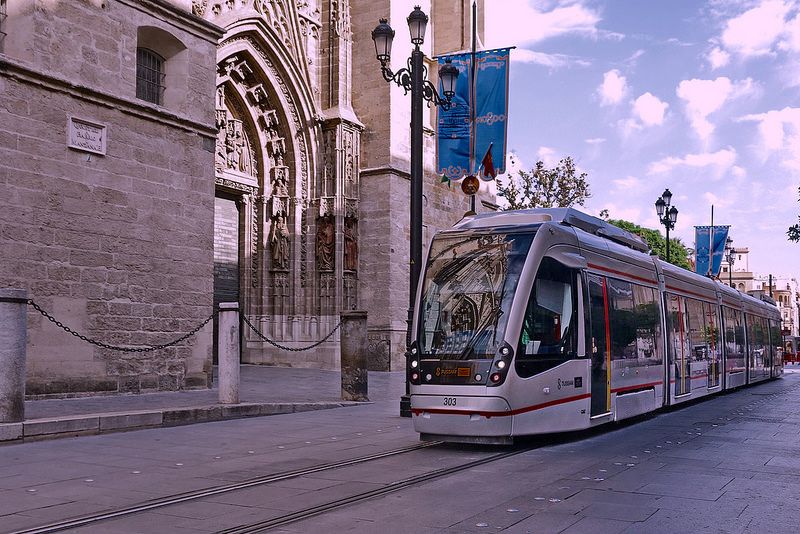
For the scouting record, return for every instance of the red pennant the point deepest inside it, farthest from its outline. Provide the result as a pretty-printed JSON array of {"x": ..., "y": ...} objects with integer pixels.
[{"x": 488, "y": 164}]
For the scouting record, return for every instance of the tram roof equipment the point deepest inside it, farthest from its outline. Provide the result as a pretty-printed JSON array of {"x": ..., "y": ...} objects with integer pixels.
[{"x": 565, "y": 216}]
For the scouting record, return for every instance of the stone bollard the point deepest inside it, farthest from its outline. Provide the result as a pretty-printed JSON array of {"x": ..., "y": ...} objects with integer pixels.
[
  {"x": 13, "y": 339},
  {"x": 353, "y": 339},
  {"x": 228, "y": 352}
]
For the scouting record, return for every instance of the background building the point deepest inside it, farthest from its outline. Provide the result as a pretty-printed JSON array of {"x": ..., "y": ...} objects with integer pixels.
[
  {"x": 160, "y": 156},
  {"x": 784, "y": 290}
]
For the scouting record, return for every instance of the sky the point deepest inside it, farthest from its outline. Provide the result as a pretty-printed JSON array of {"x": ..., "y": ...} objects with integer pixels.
[{"x": 701, "y": 97}]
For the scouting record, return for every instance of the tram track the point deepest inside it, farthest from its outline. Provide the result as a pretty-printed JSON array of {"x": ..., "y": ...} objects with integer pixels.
[
  {"x": 299, "y": 515},
  {"x": 195, "y": 495}
]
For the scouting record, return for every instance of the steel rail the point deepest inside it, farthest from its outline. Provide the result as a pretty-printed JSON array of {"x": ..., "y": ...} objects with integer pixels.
[
  {"x": 359, "y": 497},
  {"x": 217, "y": 490}
]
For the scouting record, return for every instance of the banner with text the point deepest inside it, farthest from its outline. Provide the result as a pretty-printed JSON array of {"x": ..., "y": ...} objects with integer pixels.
[
  {"x": 708, "y": 254},
  {"x": 455, "y": 130}
]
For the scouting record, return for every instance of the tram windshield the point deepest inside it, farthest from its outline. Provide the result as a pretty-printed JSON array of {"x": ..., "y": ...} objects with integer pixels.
[{"x": 468, "y": 288}]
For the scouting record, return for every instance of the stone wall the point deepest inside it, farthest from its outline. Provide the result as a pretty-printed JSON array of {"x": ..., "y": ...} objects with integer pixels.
[{"x": 117, "y": 246}]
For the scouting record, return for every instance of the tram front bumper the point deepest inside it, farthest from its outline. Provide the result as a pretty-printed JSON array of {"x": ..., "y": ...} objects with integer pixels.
[{"x": 453, "y": 415}]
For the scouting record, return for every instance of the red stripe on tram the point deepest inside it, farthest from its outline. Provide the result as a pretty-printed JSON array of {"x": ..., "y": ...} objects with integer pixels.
[{"x": 486, "y": 413}]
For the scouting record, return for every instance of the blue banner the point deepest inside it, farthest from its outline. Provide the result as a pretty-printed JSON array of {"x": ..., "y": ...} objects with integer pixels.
[
  {"x": 708, "y": 255},
  {"x": 453, "y": 135},
  {"x": 491, "y": 118}
]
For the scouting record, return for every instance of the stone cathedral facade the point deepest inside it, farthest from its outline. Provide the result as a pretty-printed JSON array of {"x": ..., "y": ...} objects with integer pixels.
[
  {"x": 320, "y": 224},
  {"x": 158, "y": 157},
  {"x": 286, "y": 171}
]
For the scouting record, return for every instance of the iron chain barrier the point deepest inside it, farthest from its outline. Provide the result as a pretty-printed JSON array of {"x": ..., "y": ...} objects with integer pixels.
[
  {"x": 150, "y": 348},
  {"x": 146, "y": 348},
  {"x": 284, "y": 347}
]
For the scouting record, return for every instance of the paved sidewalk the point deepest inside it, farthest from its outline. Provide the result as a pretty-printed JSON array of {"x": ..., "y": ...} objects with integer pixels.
[{"x": 263, "y": 391}]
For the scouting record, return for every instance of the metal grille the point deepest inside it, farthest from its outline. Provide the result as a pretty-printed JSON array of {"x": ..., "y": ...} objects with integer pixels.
[{"x": 149, "y": 76}]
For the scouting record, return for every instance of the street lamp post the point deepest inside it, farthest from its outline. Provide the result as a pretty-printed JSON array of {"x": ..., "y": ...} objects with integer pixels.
[
  {"x": 413, "y": 79},
  {"x": 729, "y": 257},
  {"x": 667, "y": 215}
]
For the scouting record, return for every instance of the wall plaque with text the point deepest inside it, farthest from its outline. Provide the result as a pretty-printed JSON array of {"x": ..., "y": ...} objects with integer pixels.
[{"x": 86, "y": 135}]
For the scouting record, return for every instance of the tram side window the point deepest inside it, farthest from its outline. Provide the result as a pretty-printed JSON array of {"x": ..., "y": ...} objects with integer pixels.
[
  {"x": 648, "y": 325},
  {"x": 734, "y": 340},
  {"x": 677, "y": 328},
  {"x": 698, "y": 330},
  {"x": 756, "y": 337},
  {"x": 549, "y": 328},
  {"x": 776, "y": 342},
  {"x": 622, "y": 320}
]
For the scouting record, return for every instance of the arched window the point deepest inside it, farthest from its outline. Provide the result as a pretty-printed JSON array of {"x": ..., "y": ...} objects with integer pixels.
[{"x": 149, "y": 76}]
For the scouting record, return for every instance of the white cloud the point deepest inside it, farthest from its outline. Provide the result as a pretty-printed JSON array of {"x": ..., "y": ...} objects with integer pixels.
[
  {"x": 718, "y": 58},
  {"x": 649, "y": 109},
  {"x": 548, "y": 156},
  {"x": 779, "y": 131},
  {"x": 755, "y": 31},
  {"x": 791, "y": 41},
  {"x": 633, "y": 58},
  {"x": 626, "y": 212},
  {"x": 523, "y": 55},
  {"x": 738, "y": 172},
  {"x": 629, "y": 184},
  {"x": 519, "y": 23},
  {"x": 720, "y": 161},
  {"x": 613, "y": 89},
  {"x": 713, "y": 199},
  {"x": 704, "y": 97},
  {"x": 595, "y": 141}
]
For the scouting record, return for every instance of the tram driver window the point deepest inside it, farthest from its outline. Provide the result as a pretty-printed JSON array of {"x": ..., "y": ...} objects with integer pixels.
[{"x": 549, "y": 333}]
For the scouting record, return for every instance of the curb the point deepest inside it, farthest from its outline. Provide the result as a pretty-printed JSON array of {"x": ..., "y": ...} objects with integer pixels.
[{"x": 81, "y": 425}]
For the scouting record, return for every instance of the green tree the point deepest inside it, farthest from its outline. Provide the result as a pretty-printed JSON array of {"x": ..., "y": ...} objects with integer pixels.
[
  {"x": 794, "y": 231},
  {"x": 657, "y": 242},
  {"x": 541, "y": 187}
]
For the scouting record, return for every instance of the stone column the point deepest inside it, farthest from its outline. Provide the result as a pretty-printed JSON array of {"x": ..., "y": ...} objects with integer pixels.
[
  {"x": 353, "y": 339},
  {"x": 228, "y": 352},
  {"x": 13, "y": 339}
]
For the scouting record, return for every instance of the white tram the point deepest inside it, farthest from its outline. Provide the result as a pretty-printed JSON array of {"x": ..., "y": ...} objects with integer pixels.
[{"x": 550, "y": 320}]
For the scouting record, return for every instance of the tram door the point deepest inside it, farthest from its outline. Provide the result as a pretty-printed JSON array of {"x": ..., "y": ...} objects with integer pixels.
[
  {"x": 679, "y": 345},
  {"x": 598, "y": 345}
]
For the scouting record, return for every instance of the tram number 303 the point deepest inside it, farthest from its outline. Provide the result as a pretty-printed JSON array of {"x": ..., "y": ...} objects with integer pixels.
[{"x": 449, "y": 401}]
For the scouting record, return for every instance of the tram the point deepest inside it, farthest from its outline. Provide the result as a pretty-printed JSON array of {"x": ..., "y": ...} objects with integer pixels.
[{"x": 550, "y": 320}]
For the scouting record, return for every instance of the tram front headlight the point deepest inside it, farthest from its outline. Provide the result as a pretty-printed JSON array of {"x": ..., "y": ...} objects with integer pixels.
[
  {"x": 502, "y": 361},
  {"x": 414, "y": 364}
]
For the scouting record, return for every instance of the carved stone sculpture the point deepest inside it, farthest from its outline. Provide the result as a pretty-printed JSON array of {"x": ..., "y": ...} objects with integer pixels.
[
  {"x": 350, "y": 244},
  {"x": 326, "y": 238},
  {"x": 279, "y": 242}
]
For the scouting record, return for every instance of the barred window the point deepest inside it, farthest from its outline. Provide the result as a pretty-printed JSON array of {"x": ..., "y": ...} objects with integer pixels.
[
  {"x": 3, "y": 15},
  {"x": 149, "y": 76}
]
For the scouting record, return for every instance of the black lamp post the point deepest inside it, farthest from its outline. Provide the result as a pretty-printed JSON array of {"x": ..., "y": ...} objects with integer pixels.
[
  {"x": 729, "y": 257},
  {"x": 667, "y": 215},
  {"x": 412, "y": 79}
]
